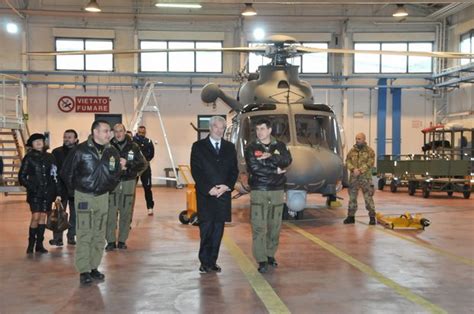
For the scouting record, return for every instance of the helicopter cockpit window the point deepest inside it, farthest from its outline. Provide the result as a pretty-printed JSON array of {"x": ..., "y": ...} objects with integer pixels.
[
  {"x": 280, "y": 128},
  {"x": 317, "y": 130}
]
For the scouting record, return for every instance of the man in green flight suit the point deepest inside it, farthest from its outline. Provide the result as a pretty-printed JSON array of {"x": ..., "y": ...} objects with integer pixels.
[
  {"x": 122, "y": 198},
  {"x": 359, "y": 161},
  {"x": 92, "y": 170}
]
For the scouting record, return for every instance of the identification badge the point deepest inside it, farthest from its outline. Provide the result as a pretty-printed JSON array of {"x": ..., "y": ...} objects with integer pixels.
[
  {"x": 112, "y": 163},
  {"x": 130, "y": 155}
]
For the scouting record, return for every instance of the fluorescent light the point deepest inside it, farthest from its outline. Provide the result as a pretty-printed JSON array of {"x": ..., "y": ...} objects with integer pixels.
[
  {"x": 249, "y": 10},
  {"x": 93, "y": 6},
  {"x": 178, "y": 5},
  {"x": 12, "y": 28},
  {"x": 401, "y": 11}
]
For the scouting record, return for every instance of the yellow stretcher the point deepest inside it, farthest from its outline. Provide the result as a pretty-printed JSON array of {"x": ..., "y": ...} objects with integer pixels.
[
  {"x": 189, "y": 216},
  {"x": 405, "y": 221}
]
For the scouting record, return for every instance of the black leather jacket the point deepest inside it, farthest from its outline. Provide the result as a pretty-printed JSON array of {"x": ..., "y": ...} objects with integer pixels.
[
  {"x": 146, "y": 146},
  {"x": 88, "y": 171},
  {"x": 263, "y": 174},
  {"x": 136, "y": 162},
  {"x": 60, "y": 153},
  {"x": 39, "y": 174}
]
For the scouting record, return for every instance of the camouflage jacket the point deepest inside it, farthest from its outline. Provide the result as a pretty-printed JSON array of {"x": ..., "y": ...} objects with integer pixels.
[{"x": 363, "y": 158}]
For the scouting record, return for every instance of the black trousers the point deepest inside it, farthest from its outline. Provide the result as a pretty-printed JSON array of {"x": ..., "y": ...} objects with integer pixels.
[
  {"x": 145, "y": 178},
  {"x": 71, "y": 232},
  {"x": 211, "y": 233}
]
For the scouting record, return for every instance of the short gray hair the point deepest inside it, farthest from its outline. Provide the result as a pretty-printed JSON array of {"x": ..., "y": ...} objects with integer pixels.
[{"x": 215, "y": 119}]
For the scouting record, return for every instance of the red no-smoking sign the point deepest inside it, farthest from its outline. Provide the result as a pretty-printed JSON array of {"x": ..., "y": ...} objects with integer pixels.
[{"x": 66, "y": 104}]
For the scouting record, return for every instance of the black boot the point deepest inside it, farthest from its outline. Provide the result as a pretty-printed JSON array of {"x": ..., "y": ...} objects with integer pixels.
[
  {"x": 372, "y": 221},
  {"x": 39, "y": 239},
  {"x": 31, "y": 240},
  {"x": 349, "y": 220}
]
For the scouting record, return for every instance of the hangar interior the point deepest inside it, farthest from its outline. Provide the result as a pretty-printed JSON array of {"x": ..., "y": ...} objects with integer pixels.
[{"x": 390, "y": 98}]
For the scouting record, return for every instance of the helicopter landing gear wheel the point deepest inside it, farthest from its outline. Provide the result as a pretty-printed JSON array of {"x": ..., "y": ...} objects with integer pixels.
[{"x": 183, "y": 217}]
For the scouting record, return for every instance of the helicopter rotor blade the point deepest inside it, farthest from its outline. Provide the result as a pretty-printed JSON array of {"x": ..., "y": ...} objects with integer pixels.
[
  {"x": 434, "y": 54},
  {"x": 135, "y": 51}
]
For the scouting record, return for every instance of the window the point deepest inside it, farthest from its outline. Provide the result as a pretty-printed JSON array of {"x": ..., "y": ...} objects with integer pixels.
[
  {"x": 308, "y": 63},
  {"x": 370, "y": 63},
  {"x": 181, "y": 61},
  {"x": 102, "y": 62},
  {"x": 467, "y": 45},
  {"x": 317, "y": 130}
]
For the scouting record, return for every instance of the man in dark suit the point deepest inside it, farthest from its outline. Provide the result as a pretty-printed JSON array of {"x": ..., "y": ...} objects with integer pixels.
[{"x": 214, "y": 169}]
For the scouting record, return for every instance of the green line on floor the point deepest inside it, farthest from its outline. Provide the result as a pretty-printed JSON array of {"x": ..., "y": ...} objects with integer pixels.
[
  {"x": 404, "y": 292},
  {"x": 262, "y": 288},
  {"x": 436, "y": 249}
]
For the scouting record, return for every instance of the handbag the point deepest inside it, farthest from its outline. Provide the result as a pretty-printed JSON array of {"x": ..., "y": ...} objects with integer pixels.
[{"x": 58, "y": 218}]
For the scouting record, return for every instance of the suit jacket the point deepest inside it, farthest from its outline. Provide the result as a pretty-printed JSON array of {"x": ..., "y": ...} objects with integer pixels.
[{"x": 210, "y": 169}]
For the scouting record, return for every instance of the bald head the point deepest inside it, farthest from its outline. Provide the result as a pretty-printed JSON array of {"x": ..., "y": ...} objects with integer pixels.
[
  {"x": 119, "y": 132},
  {"x": 360, "y": 138}
]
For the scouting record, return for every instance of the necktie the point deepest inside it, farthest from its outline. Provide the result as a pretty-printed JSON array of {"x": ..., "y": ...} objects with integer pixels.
[{"x": 217, "y": 147}]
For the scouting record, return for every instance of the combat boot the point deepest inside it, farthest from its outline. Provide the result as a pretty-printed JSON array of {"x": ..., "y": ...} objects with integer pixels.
[{"x": 349, "y": 220}]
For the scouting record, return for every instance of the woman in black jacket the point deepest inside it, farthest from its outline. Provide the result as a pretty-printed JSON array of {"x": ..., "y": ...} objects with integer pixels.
[{"x": 38, "y": 173}]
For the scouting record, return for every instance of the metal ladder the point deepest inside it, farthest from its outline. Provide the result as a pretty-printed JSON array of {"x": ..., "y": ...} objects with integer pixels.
[
  {"x": 13, "y": 132},
  {"x": 144, "y": 105}
]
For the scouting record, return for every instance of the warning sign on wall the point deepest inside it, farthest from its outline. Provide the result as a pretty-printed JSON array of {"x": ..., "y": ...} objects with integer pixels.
[{"x": 84, "y": 104}]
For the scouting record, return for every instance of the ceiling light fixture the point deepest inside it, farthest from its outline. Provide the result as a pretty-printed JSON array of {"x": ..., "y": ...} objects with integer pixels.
[
  {"x": 93, "y": 6},
  {"x": 178, "y": 5},
  {"x": 12, "y": 28},
  {"x": 249, "y": 10},
  {"x": 401, "y": 11}
]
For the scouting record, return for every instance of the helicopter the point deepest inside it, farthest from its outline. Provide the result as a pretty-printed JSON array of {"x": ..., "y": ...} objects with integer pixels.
[{"x": 309, "y": 129}]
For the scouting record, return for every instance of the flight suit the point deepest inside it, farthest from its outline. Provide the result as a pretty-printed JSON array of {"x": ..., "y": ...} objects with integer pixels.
[
  {"x": 362, "y": 158},
  {"x": 121, "y": 200},
  {"x": 265, "y": 217},
  {"x": 91, "y": 223}
]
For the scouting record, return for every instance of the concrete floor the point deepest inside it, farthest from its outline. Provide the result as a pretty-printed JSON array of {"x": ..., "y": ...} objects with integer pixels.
[{"x": 325, "y": 266}]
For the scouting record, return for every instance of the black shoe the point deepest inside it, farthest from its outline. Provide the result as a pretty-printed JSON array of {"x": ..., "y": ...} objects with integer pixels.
[
  {"x": 39, "y": 239},
  {"x": 204, "y": 269},
  {"x": 85, "y": 278},
  {"x": 349, "y": 220},
  {"x": 122, "y": 246},
  {"x": 262, "y": 267},
  {"x": 97, "y": 275},
  {"x": 71, "y": 241},
  {"x": 216, "y": 268},
  {"x": 56, "y": 242},
  {"x": 110, "y": 246},
  {"x": 272, "y": 262},
  {"x": 372, "y": 221}
]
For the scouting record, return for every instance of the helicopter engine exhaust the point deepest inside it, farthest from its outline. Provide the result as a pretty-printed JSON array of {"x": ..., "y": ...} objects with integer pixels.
[{"x": 211, "y": 92}]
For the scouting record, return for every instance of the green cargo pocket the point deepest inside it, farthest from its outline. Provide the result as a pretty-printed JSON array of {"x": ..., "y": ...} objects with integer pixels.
[
  {"x": 84, "y": 220},
  {"x": 277, "y": 210}
]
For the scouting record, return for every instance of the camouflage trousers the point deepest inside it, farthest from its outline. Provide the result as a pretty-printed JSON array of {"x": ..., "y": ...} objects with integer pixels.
[{"x": 364, "y": 184}]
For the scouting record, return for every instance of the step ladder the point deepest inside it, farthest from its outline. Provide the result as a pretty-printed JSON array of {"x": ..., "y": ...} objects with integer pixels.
[{"x": 147, "y": 102}]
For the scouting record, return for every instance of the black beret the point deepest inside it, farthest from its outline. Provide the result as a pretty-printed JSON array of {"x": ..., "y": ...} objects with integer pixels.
[{"x": 33, "y": 137}]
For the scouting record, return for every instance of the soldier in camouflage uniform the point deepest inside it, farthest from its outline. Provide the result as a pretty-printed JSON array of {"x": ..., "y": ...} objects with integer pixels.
[{"x": 360, "y": 161}]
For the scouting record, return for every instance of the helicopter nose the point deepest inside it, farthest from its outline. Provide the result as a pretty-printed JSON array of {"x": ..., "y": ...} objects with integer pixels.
[{"x": 313, "y": 165}]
